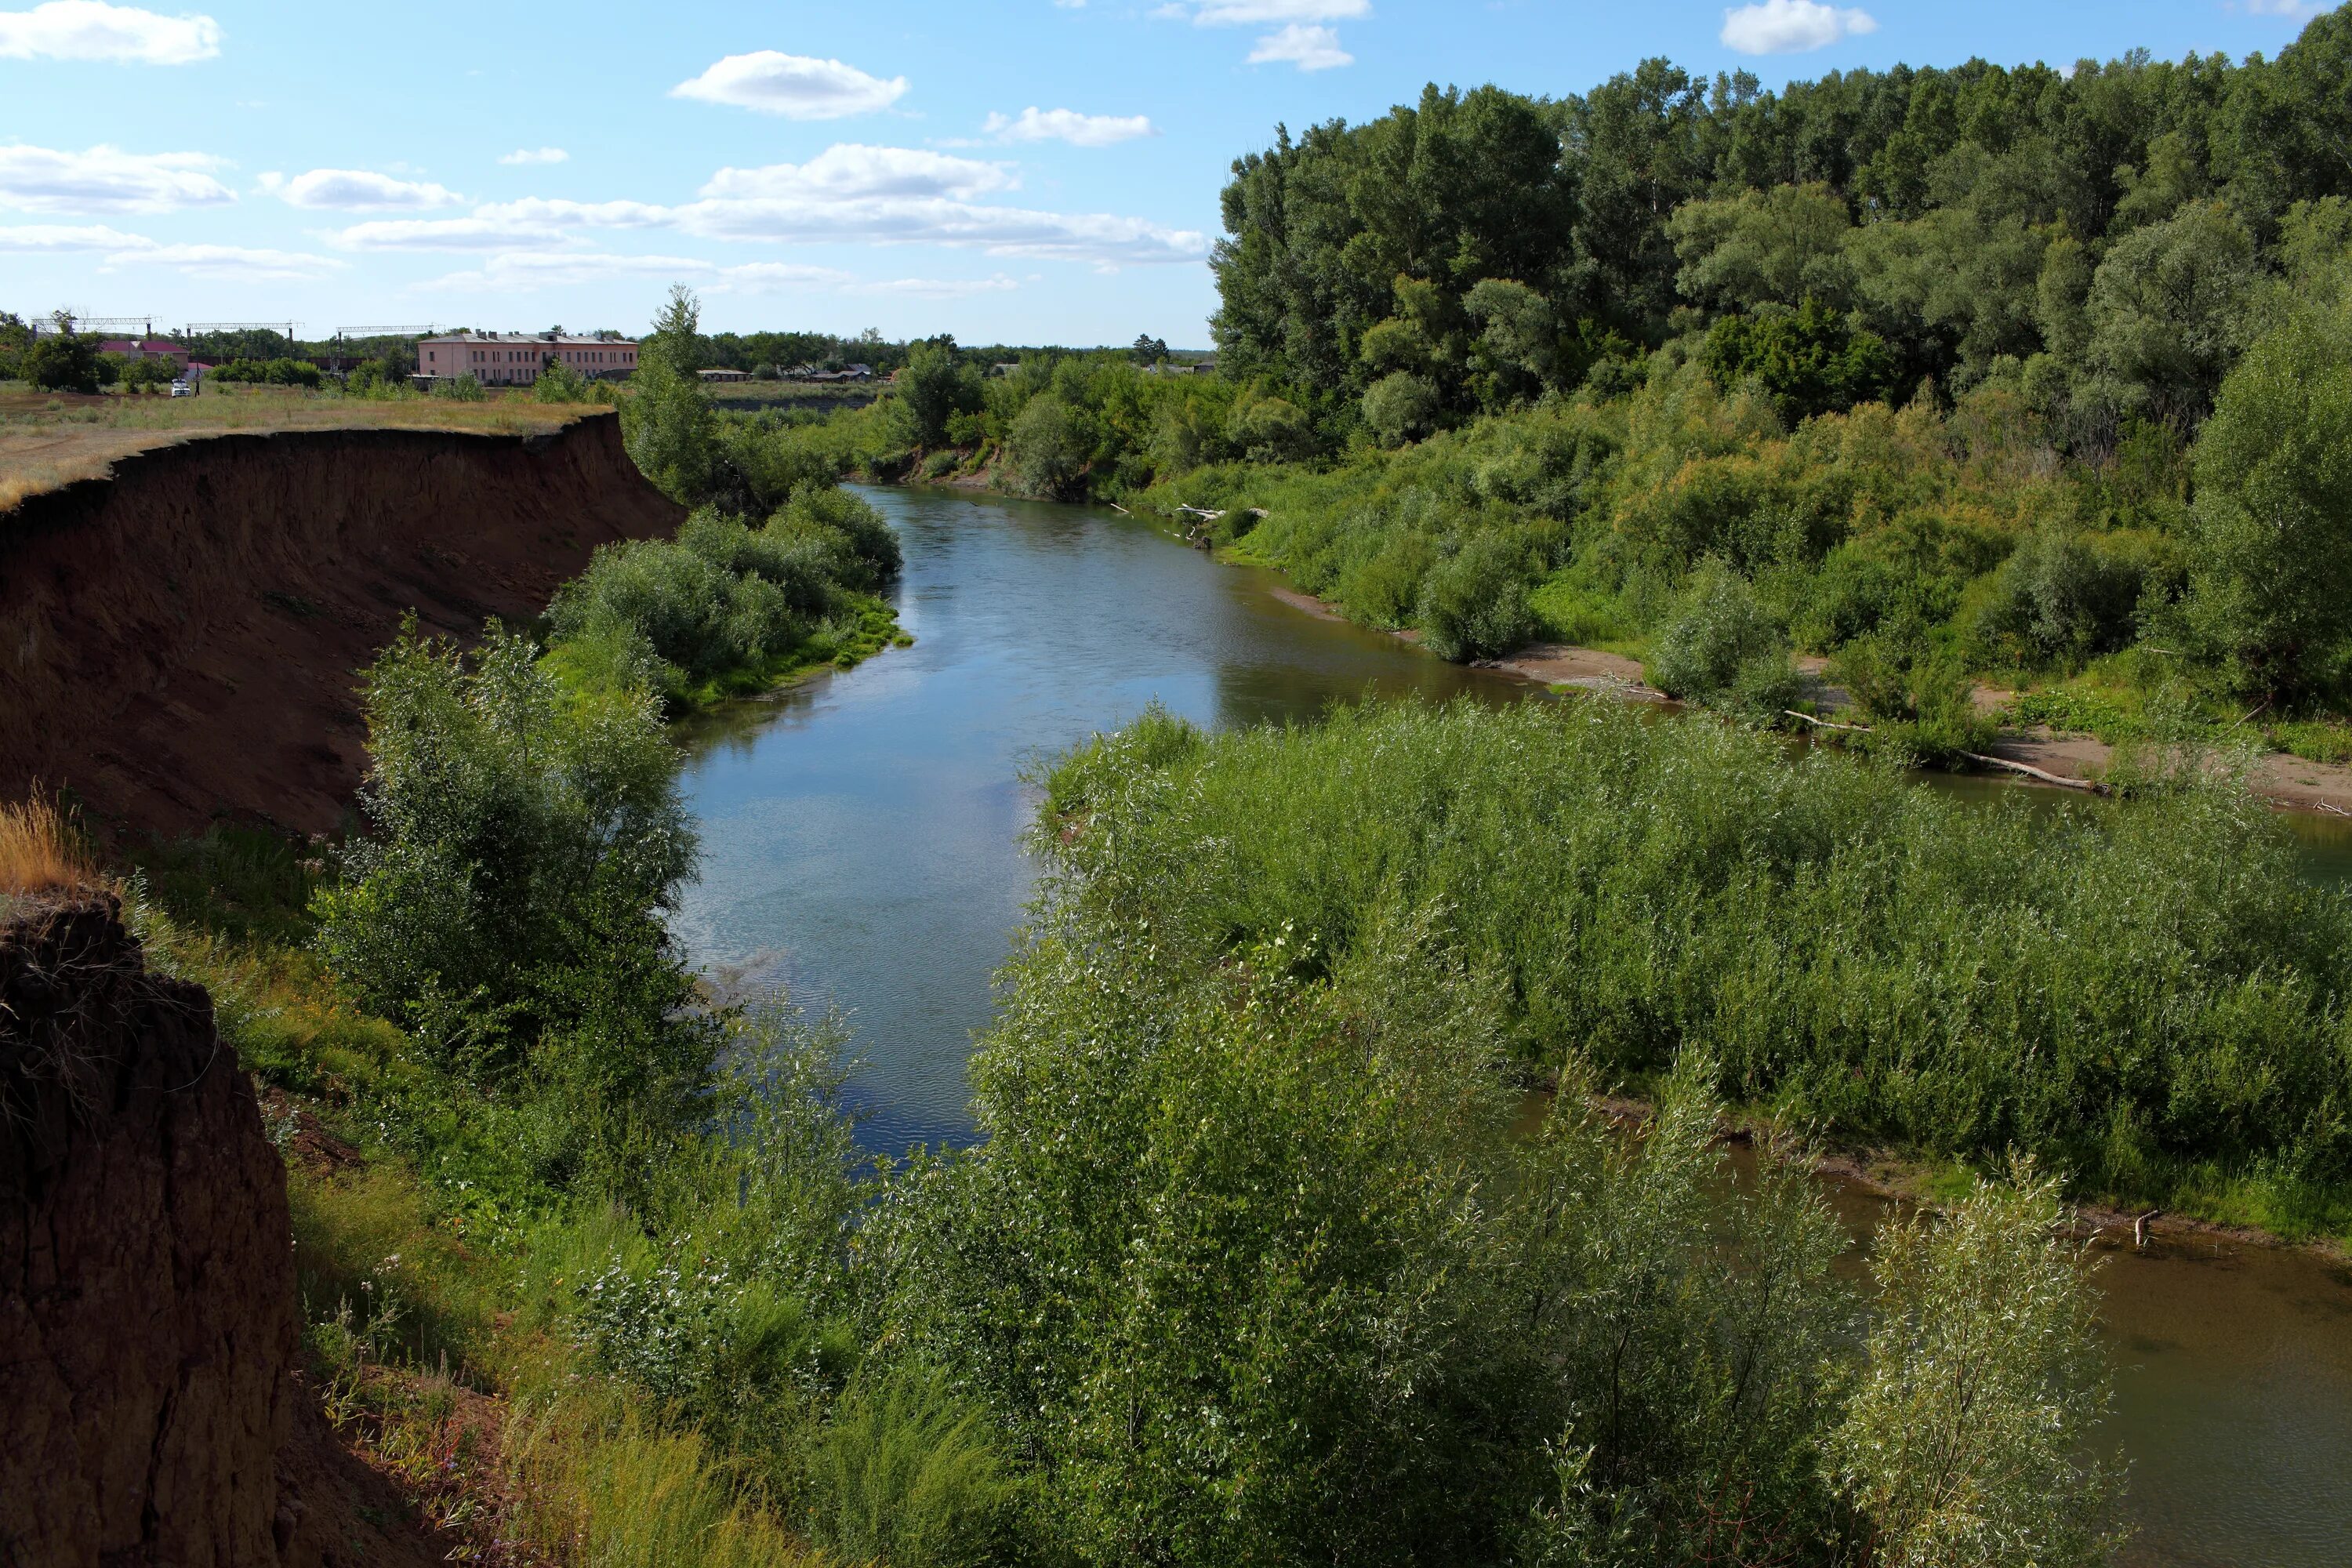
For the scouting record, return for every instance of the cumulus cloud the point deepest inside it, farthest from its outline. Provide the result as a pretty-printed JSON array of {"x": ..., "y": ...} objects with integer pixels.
[
  {"x": 549, "y": 213},
  {"x": 48, "y": 238},
  {"x": 798, "y": 87},
  {"x": 228, "y": 261},
  {"x": 356, "y": 190},
  {"x": 87, "y": 30},
  {"x": 450, "y": 233},
  {"x": 1309, "y": 48},
  {"x": 849, "y": 172},
  {"x": 938, "y": 287},
  {"x": 848, "y": 194},
  {"x": 536, "y": 155},
  {"x": 1301, "y": 41},
  {"x": 523, "y": 271},
  {"x": 121, "y": 249},
  {"x": 1792, "y": 26},
  {"x": 1034, "y": 124},
  {"x": 1098, "y": 237},
  {"x": 107, "y": 180},
  {"x": 1259, "y": 13}
]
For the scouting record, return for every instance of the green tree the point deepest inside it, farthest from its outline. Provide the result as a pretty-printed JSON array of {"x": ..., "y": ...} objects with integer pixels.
[
  {"x": 935, "y": 386},
  {"x": 1148, "y": 350},
  {"x": 1970, "y": 1439},
  {"x": 62, "y": 362},
  {"x": 1400, "y": 407},
  {"x": 2168, "y": 310},
  {"x": 505, "y": 897},
  {"x": 1049, "y": 447},
  {"x": 1781, "y": 247},
  {"x": 2270, "y": 562},
  {"x": 668, "y": 424},
  {"x": 1810, "y": 361}
]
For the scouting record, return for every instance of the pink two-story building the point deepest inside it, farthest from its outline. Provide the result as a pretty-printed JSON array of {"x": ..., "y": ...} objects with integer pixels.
[{"x": 515, "y": 359}]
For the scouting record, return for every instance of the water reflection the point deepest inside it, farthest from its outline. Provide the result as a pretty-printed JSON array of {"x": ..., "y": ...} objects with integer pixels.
[{"x": 863, "y": 833}]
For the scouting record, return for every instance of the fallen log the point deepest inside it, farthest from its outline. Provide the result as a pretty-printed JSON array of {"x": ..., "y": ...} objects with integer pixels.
[
  {"x": 2090, "y": 786},
  {"x": 1827, "y": 724}
]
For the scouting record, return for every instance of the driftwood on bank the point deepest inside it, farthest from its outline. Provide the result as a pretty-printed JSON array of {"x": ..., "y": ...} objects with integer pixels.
[{"x": 2091, "y": 786}]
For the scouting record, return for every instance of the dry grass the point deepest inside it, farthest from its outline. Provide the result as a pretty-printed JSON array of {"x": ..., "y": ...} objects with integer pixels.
[
  {"x": 40, "y": 852},
  {"x": 47, "y": 442}
]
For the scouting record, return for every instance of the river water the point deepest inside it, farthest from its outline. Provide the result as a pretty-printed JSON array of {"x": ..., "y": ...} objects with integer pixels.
[{"x": 862, "y": 841}]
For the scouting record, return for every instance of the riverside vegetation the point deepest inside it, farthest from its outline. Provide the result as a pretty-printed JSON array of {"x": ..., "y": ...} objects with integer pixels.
[
  {"x": 1257, "y": 1261},
  {"x": 2023, "y": 375}
]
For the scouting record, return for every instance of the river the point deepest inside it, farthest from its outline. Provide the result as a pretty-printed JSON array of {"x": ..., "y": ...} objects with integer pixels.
[{"x": 862, "y": 839}]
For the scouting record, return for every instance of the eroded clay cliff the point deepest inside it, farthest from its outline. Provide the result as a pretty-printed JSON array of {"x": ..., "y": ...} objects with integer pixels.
[{"x": 182, "y": 640}]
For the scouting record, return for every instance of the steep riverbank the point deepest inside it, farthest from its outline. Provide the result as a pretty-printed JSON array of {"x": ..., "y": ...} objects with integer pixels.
[{"x": 179, "y": 640}]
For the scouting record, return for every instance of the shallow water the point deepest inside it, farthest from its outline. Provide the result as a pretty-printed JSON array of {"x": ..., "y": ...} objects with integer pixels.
[{"x": 862, "y": 836}]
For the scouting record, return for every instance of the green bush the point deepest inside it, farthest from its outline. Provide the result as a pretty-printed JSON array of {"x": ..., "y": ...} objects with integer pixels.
[
  {"x": 270, "y": 372},
  {"x": 2060, "y": 600},
  {"x": 1474, "y": 604},
  {"x": 1916, "y": 695},
  {"x": 1721, "y": 648},
  {"x": 505, "y": 899},
  {"x": 910, "y": 1474},
  {"x": 559, "y": 382},
  {"x": 1049, "y": 447},
  {"x": 1853, "y": 947},
  {"x": 1400, "y": 407},
  {"x": 1810, "y": 361},
  {"x": 2272, "y": 542}
]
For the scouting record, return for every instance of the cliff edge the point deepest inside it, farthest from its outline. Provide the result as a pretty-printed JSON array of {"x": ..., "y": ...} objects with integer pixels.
[{"x": 182, "y": 639}]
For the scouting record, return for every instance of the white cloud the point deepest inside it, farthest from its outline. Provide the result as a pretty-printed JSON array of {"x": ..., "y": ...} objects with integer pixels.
[
  {"x": 233, "y": 261},
  {"x": 1309, "y": 48},
  {"x": 1257, "y": 12},
  {"x": 523, "y": 271},
  {"x": 938, "y": 287},
  {"x": 1792, "y": 26},
  {"x": 2294, "y": 10},
  {"x": 537, "y": 155},
  {"x": 1035, "y": 124},
  {"x": 87, "y": 30},
  {"x": 848, "y": 194},
  {"x": 107, "y": 180},
  {"x": 850, "y": 172},
  {"x": 1097, "y": 237},
  {"x": 549, "y": 213},
  {"x": 51, "y": 239},
  {"x": 121, "y": 249},
  {"x": 450, "y": 233},
  {"x": 797, "y": 86},
  {"x": 356, "y": 190}
]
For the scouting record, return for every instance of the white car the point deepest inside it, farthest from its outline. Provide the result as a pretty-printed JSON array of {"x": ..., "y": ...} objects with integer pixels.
[{"x": 182, "y": 389}]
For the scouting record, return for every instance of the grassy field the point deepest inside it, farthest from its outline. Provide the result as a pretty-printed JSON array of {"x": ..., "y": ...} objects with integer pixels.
[{"x": 50, "y": 440}]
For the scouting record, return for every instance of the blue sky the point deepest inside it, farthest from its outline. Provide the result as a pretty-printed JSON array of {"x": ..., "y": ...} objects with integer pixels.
[{"x": 1028, "y": 171}]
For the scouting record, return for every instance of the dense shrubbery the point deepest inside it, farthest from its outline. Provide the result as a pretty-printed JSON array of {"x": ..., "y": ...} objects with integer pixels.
[
  {"x": 729, "y": 607},
  {"x": 505, "y": 905},
  {"x": 776, "y": 570},
  {"x": 269, "y": 372},
  {"x": 2134, "y": 994}
]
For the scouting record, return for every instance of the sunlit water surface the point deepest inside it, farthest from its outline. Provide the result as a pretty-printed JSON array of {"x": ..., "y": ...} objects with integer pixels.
[{"x": 863, "y": 847}]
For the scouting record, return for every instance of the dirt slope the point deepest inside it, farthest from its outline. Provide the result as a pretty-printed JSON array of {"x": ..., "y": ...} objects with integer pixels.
[
  {"x": 150, "y": 1407},
  {"x": 181, "y": 640}
]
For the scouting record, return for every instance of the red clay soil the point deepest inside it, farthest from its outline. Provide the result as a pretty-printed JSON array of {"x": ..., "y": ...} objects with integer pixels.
[{"x": 182, "y": 641}]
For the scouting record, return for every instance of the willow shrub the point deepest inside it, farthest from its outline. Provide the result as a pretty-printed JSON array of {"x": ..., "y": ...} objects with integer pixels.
[{"x": 2116, "y": 988}]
